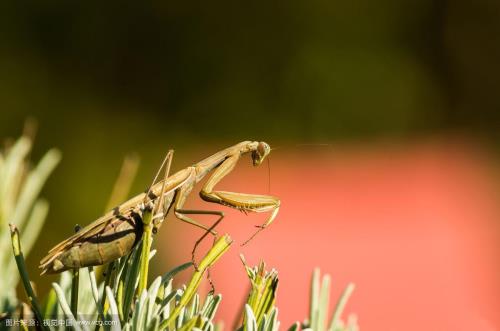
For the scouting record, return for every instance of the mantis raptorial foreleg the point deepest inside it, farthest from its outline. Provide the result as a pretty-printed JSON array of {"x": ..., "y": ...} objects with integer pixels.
[{"x": 242, "y": 201}]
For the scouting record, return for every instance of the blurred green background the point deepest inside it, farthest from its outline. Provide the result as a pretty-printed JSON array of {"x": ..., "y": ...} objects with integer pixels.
[
  {"x": 298, "y": 69},
  {"x": 106, "y": 78}
]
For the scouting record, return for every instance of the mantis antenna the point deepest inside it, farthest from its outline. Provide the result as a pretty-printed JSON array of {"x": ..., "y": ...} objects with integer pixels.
[{"x": 268, "y": 175}]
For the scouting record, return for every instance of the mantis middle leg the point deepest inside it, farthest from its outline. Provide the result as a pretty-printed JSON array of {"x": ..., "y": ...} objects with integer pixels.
[{"x": 182, "y": 215}]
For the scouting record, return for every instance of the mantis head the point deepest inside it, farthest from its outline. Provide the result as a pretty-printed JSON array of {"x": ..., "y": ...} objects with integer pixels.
[{"x": 260, "y": 153}]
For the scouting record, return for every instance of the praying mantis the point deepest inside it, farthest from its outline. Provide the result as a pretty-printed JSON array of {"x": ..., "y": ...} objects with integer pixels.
[{"x": 115, "y": 234}]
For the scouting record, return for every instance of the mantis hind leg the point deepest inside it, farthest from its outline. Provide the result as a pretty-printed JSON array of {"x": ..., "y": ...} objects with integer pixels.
[{"x": 167, "y": 161}]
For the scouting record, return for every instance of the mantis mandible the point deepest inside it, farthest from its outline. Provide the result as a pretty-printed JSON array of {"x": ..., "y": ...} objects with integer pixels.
[{"x": 119, "y": 230}]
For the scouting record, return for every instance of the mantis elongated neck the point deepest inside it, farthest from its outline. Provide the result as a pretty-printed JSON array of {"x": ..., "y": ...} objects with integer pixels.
[{"x": 210, "y": 163}]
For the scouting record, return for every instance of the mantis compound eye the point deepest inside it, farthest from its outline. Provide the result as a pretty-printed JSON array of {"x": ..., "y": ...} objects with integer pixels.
[
  {"x": 264, "y": 149},
  {"x": 260, "y": 153}
]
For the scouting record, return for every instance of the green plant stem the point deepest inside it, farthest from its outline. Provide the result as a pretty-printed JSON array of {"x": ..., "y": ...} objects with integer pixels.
[
  {"x": 107, "y": 282},
  {"x": 130, "y": 280},
  {"x": 219, "y": 248},
  {"x": 64, "y": 306},
  {"x": 95, "y": 294},
  {"x": 119, "y": 299},
  {"x": 21, "y": 265},
  {"x": 74, "y": 291},
  {"x": 339, "y": 308},
  {"x": 50, "y": 304},
  {"x": 146, "y": 247},
  {"x": 263, "y": 292}
]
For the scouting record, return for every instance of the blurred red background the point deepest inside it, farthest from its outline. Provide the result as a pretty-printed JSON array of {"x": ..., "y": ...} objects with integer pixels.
[{"x": 414, "y": 226}]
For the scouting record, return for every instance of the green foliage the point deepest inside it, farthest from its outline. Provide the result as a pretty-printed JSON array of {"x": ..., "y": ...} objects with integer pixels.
[
  {"x": 20, "y": 186},
  {"x": 319, "y": 307},
  {"x": 260, "y": 313}
]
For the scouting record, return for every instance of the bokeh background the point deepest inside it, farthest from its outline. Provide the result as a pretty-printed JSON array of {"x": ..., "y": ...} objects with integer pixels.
[{"x": 386, "y": 115}]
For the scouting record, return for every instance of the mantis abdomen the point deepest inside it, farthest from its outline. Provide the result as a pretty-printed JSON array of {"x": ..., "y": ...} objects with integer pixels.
[{"x": 116, "y": 240}]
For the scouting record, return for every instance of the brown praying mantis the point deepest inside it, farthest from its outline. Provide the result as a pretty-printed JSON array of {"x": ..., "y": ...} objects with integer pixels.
[{"x": 118, "y": 231}]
